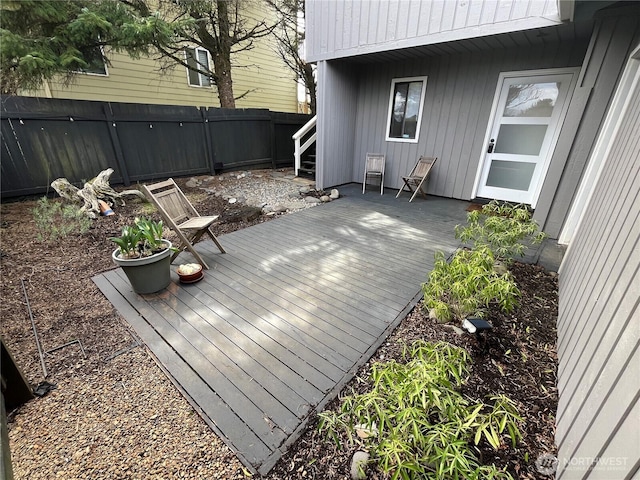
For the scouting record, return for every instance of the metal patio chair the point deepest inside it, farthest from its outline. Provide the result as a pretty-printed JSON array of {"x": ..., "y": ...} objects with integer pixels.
[
  {"x": 415, "y": 180},
  {"x": 374, "y": 167},
  {"x": 181, "y": 217}
]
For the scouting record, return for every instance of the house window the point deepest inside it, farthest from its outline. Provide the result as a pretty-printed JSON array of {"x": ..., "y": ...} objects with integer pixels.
[
  {"x": 198, "y": 58},
  {"x": 95, "y": 59},
  {"x": 405, "y": 109}
]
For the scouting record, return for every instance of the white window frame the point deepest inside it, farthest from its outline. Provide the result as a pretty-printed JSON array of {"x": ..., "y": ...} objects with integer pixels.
[
  {"x": 200, "y": 75},
  {"x": 104, "y": 64},
  {"x": 423, "y": 92}
]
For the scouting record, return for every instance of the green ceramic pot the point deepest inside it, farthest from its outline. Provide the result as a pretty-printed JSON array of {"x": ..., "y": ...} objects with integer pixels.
[{"x": 148, "y": 274}]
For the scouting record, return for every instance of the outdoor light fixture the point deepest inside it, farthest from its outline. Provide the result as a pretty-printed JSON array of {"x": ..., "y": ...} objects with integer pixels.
[{"x": 477, "y": 326}]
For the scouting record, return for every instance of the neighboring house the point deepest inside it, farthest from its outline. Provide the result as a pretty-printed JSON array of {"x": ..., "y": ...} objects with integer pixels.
[
  {"x": 520, "y": 100},
  {"x": 259, "y": 72}
]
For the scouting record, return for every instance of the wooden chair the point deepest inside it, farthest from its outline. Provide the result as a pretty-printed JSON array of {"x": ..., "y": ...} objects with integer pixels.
[
  {"x": 415, "y": 180},
  {"x": 374, "y": 167},
  {"x": 180, "y": 216}
]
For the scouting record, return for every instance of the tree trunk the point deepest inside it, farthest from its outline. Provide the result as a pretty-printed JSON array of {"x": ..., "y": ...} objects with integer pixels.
[
  {"x": 310, "y": 83},
  {"x": 222, "y": 58}
]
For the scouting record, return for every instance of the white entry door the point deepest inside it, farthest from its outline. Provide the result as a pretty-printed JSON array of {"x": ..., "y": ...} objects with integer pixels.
[{"x": 526, "y": 122}]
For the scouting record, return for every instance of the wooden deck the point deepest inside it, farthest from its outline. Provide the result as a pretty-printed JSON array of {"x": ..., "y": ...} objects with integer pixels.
[{"x": 283, "y": 320}]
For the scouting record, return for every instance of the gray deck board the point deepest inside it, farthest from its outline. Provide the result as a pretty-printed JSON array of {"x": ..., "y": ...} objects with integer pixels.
[{"x": 284, "y": 318}]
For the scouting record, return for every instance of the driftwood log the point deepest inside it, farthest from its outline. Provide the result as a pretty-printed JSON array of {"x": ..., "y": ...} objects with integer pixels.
[{"x": 93, "y": 191}]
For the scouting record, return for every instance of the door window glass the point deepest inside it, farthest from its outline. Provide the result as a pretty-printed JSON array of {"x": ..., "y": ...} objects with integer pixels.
[
  {"x": 531, "y": 99},
  {"x": 520, "y": 139},
  {"x": 512, "y": 175}
]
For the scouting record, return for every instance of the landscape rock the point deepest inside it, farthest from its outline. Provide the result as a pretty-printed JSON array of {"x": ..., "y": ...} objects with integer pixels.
[
  {"x": 311, "y": 200},
  {"x": 335, "y": 194},
  {"x": 457, "y": 330},
  {"x": 192, "y": 183},
  {"x": 246, "y": 214},
  {"x": 304, "y": 190},
  {"x": 325, "y": 199},
  {"x": 358, "y": 465}
]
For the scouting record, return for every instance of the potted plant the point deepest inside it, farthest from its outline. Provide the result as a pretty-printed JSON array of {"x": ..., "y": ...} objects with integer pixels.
[{"x": 145, "y": 257}]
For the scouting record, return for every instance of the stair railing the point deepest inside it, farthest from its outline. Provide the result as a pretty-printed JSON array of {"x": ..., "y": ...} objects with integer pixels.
[{"x": 301, "y": 148}]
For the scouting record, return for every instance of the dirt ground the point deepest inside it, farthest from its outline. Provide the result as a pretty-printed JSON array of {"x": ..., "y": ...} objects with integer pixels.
[{"x": 115, "y": 415}]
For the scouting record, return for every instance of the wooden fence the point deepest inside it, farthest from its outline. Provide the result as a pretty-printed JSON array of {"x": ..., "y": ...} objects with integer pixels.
[{"x": 45, "y": 139}]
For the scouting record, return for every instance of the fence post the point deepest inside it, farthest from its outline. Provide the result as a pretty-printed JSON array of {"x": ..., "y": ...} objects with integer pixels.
[
  {"x": 115, "y": 142},
  {"x": 272, "y": 125},
  {"x": 207, "y": 140}
]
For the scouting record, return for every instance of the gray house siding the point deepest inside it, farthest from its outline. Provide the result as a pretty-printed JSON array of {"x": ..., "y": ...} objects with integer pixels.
[
  {"x": 613, "y": 39},
  {"x": 459, "y": 96},
  {"x": 598, "y": 422},
  {"x": 462, "y": 78},
  {"x": 337, "y": 94},
  {"x": 342, "y": 28}
]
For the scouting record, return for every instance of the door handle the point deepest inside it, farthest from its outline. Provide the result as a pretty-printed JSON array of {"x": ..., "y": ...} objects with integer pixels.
[{"x": 491, "y": 145}]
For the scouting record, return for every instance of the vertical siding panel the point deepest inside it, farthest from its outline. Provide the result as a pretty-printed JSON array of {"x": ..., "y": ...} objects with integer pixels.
[
  {"x": 326, "y": 28},
  {"x": 425, "y": 18},
  {"x": 456, "y": 134},
  {"x": 480, "y": 80},
  {"x": 413, "y": 13},
  {"x": 435, "y": 20},
  {"x": 448, "y": 15},
  {"x": 489, "y": 11},
  {"x": 599, "y": 338},
  {"x": 337, "y": 92},
  {"x": 461, "y": 14},
  {"x": 613, "y": 180},
  {"x": 349, "y": 25},
  {"x": 615, "y": 37},
  {"x": 391, "y": 24},
  {"x": 377, "y": 18},
  {"x": 456, "y": 92},
  {"x": 625, "y": 443},
  {"x": 334, "y": 35},
  {"x": 365, "y": 14},
  {"x": 593, "y": 412},
  {"x": 600, "y": 264},
  {"x": 503, "y": 11}
]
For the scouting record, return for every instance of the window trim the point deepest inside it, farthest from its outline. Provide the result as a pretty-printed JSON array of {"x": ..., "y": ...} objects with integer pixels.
[
  {"x": 395, "y": 81},
  {"x": 200, "y": 75},
  {"x": 104, "y": 64}
]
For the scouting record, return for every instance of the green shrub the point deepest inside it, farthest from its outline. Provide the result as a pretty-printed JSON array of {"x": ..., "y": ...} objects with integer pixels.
[
  {"x": 55, "y": 221},
  {"x": 420, "y": 425},
  {"x": 502, "y": 227},
  {"x": 142, "y": 239},
  {"x": 467, "y": 284}
]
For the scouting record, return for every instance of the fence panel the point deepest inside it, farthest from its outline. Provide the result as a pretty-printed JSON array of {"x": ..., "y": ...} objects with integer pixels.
[
  {"x": 160, "y": 141},
  {"x": 45, "y": 139},
  {"x": 241, "y": 138},
  {"x": 285, "y": 125},
  {"x": 43, "y": 144}
]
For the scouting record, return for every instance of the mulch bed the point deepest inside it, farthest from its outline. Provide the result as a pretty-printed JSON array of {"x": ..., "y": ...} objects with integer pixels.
[
  {"x": 144, "y": 425},
  {"x": 518, "y": 360}
]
